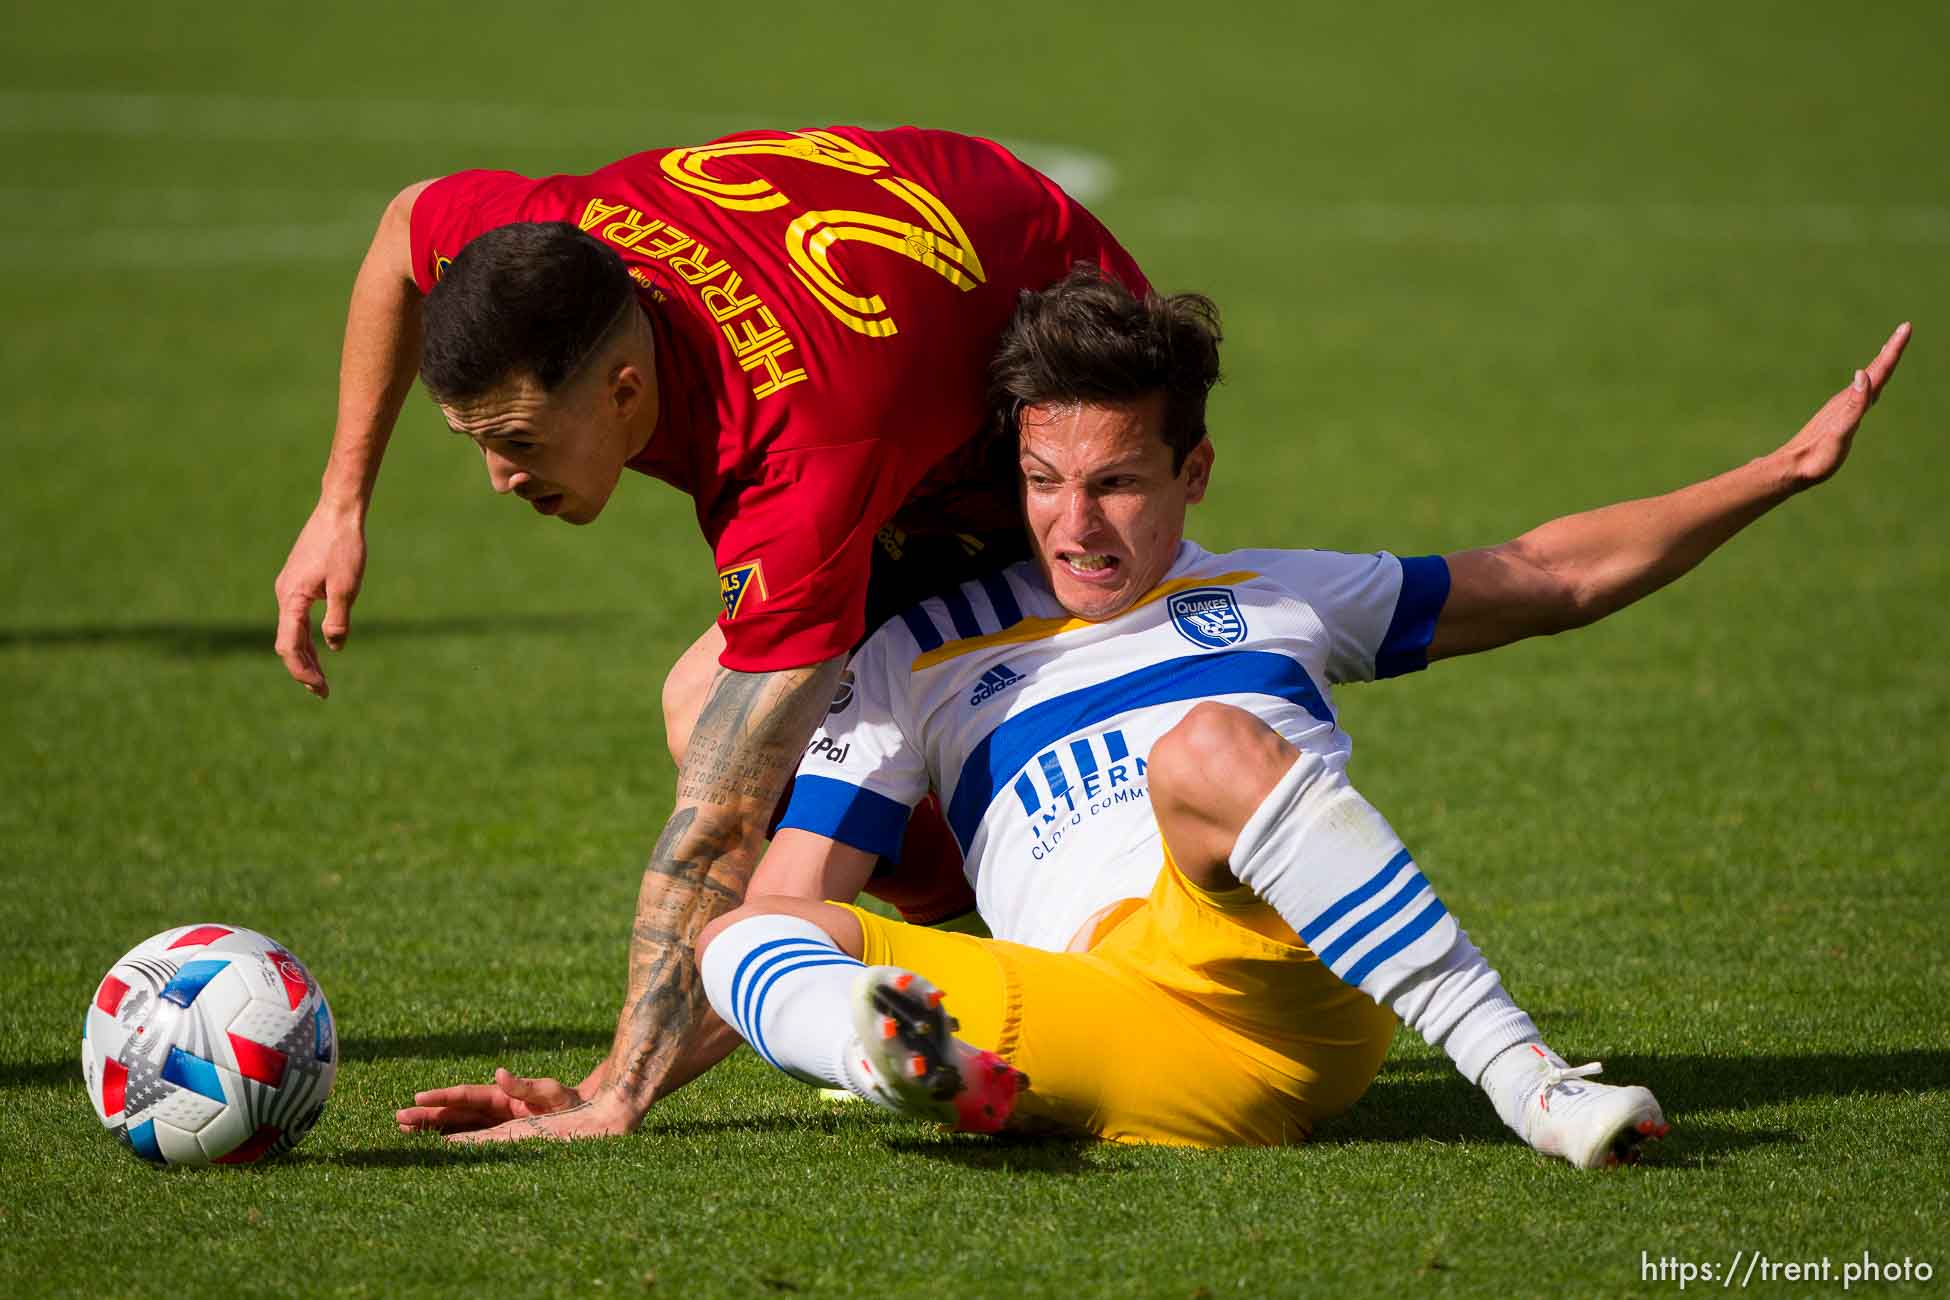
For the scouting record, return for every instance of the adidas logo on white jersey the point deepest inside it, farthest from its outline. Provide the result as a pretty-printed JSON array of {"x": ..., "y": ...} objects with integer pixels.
[{"x": 995, "y": 681}]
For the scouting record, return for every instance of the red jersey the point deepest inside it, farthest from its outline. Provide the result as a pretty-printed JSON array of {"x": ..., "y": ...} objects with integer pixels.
[{"x": 825, "y": 304}]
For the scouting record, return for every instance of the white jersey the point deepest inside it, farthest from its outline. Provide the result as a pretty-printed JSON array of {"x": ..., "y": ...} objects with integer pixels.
[{"x": 1034, "y": 726}]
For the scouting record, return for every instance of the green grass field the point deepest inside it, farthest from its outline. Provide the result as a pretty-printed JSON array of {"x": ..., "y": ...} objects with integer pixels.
[{"x": 1476, "y": 273}]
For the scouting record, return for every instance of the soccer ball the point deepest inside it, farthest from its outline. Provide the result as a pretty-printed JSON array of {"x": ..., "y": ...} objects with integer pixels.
[{"x": 209, "y": 1043}]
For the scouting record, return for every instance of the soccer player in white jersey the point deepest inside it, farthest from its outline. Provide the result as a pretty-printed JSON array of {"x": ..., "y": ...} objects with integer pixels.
[{"x": 1203, "y": 934}]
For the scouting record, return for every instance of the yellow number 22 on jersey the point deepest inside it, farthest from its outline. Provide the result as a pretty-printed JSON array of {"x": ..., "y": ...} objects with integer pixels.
[{"x": 941, "y": 244}]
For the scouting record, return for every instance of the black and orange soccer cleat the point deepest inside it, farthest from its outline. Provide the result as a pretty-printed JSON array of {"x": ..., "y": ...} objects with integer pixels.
[{"x": 918, "y": 1066}]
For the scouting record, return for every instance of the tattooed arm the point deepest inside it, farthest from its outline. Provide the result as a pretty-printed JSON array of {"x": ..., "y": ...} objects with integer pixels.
[{"x": 746, "y": 744}]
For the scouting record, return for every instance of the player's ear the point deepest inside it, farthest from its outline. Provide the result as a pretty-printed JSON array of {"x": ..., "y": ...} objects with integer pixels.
[
  {"x": 628, "y": 390},
  {"x": 633, "y": 370},
  {"x": 1198, "y": 471}
]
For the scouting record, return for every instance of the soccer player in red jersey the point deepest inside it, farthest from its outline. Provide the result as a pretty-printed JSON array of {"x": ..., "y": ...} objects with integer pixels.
[{"x": 791, "y": 327}]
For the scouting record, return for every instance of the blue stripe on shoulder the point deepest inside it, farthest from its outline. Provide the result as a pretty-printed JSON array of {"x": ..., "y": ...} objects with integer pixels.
[
  {"x": 961, "y": 613},
  {"x": 1007, "y": 611},
  {"x": 922, "y": 627},
  {"x": 851, "y": 814},
  {"x": 1425, "y": 589}
]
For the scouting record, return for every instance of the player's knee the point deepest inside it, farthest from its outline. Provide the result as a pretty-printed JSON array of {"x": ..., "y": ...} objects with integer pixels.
[
  {"x": 718, "y": 926},
  {"x": 1217, "y": 755},
  {"x": 839, "y": 924}
]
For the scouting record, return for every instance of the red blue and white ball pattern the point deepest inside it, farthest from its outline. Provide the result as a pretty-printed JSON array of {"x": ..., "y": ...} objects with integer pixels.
[{"x": 209, "y": 1044}]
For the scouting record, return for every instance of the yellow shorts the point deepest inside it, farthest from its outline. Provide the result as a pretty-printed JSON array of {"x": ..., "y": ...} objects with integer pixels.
[{"x": 1195, "y": 1019}]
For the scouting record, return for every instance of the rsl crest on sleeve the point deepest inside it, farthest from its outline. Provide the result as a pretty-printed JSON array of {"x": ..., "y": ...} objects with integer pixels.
[
  {"x": 1208, "y": 617},
  {"x": 737, "y": 582}
]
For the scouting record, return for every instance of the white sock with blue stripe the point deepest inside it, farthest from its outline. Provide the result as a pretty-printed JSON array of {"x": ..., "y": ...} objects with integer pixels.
[
  {"x": 784, "y": 985},
  {"x": 1334, "y": 869}
]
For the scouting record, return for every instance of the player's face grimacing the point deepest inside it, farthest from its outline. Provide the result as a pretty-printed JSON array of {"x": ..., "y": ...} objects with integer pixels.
[
  {"x": 1105, "y": 511},
  {"x": 561, "y": 452}
]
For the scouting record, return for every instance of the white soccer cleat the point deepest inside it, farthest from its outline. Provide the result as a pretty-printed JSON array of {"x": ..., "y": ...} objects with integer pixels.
[
  {"x": 915, "y": 1063},
  {"x": 1592, "y": 1125}
]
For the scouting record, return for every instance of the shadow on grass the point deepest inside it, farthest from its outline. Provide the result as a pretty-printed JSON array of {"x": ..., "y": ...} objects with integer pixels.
[
  {"x": 485, "y": 1042},
  {"x": 1452, "y": 1111},
  {"x": 198, "y": 640},
  {"x": 39, "y": 1074},
  {"x": 427, "y": 1047},
  {"x": 1415, "y": 1101},
  {"x": 430, "y": 1155},
  {"x": 1005, "y": 1153},
  {"x": 1404, "y": 1099},
  {"x": 1412, "y": 1102},
  {"x": 1736, "y": 1083},
  {"x": 1689, "y": 1147},
  {"x": 653, "y": 1127}
]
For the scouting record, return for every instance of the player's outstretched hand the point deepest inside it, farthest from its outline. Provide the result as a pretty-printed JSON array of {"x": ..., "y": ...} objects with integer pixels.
[
  {"x": 1815, "y": 453},
  {"x": 471, "y": 1107},
  {"x": 590, "y": 1119},
  {"x": 327, "y": 562}
]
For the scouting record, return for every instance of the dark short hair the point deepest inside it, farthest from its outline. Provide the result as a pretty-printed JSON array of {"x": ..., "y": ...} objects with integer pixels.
[
  {"x": 537, "y": 298},
  {"x": 1087, "y": 338}
]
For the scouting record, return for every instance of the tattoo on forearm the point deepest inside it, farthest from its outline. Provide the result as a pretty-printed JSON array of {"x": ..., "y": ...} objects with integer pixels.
[
  {"x": 750, "y": 734},
  {"x": 747, "y": 740}
]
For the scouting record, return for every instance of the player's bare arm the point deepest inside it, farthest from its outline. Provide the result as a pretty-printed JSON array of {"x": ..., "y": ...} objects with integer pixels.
[
  {"x": 376, "y": 368},
  {"x": 747, "y": 741},
  {"x": 798, "y": 864},
  {"x": 1576, "y": 570},
  {"x": 805, "y": 865}
]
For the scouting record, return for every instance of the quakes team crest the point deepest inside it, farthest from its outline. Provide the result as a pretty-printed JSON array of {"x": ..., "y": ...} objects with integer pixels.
[
  {"x": 1208, "y": 617},
  {"x": 735, "y": 583}
]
